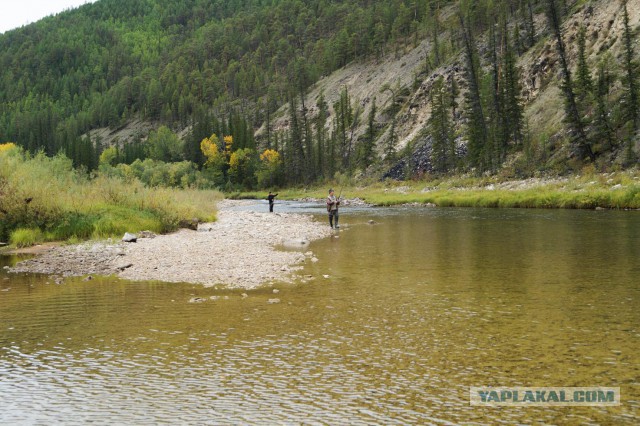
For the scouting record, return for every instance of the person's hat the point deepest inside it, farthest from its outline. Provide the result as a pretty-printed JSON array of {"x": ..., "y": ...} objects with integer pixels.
[{"x": 331, "y": 190}]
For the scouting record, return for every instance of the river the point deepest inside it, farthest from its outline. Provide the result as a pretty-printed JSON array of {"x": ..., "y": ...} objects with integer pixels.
[{"x": 392, "y": 325}]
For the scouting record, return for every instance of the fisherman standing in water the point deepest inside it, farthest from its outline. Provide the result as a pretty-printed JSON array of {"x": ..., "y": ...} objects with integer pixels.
[
  {"x": 332, "y": 208},
  {"x": 270, "y": 197}
]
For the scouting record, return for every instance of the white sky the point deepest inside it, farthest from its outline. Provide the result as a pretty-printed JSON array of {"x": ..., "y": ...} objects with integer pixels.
[{"x": 16, "y": 13}]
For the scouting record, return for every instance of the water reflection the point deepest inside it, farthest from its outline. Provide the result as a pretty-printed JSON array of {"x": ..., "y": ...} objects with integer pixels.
[{"x": 415, "y": 309}]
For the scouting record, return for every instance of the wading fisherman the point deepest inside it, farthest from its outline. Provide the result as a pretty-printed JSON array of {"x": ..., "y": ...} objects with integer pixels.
[
  {"x": 270, "y": 197},
  {"x": 332, "y": 207}
]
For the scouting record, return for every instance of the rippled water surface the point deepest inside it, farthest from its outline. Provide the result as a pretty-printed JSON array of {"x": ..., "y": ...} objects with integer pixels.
[{"x": 413, "y": 310}]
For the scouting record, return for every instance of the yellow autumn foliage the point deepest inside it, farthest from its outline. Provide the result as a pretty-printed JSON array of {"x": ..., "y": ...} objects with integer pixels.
[
  {"x": 228, "y": 142},
  {"x": 209, "y": 148},
  {"x": 270, "y": 156},
  {"x": 7, "y": 146},
  {"x": 234, "y": 161}
]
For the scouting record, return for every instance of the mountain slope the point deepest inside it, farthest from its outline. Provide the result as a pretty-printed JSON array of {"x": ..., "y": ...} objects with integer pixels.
[{"x": 541, "y": 94}]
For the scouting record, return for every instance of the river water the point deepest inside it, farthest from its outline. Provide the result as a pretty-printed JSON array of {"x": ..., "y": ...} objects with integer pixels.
[{"x": 392, "y": 325}]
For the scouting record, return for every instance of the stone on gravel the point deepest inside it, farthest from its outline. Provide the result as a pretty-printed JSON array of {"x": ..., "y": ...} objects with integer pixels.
[
  {"x": 190, "y": 224},
  {"x": 300, "y": 244},
  {"x": 129, "y": 238},
  {"x": 124, "y": 266}
]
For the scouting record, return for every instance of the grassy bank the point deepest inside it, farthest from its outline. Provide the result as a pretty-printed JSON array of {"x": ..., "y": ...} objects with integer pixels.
[
  {"x": 620, "y": 190},
  {"x": 45, "y": 199}
]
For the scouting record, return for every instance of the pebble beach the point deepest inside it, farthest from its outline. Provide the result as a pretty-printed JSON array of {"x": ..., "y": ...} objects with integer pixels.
[{"x": 242, "y": 249}]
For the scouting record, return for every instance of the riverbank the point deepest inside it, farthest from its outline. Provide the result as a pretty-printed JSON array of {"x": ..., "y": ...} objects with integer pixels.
[
  {"x": 617, "y": 190},
  {"x": 44, "y": 199},
  {"x": 239, "y": 250}
]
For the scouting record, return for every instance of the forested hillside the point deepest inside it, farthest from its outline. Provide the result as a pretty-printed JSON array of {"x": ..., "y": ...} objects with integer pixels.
[
  {"x": 177, "y": 63},
  {"x": 237, "y": 94}
]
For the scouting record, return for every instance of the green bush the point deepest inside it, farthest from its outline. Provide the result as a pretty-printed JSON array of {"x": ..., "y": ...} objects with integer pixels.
[
  {"x": 115, "y": 221},
  {"x": 26, "y": 237},
  {"x": 73, "y": 226}
]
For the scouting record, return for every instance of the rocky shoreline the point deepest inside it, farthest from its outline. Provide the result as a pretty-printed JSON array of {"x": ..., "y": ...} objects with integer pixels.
[{"x": 241, "y": 250}]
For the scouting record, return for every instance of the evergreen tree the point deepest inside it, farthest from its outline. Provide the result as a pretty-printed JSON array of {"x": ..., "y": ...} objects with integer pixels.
[
  {"x": 309, "y": 164},
  {"x": 477, "y": 128},
  {"x": 296, "y": 154},
  {"x": 368, "y": 143},
  {"x": 630, "y": 79},
  {"x": 342, "y": 109},
  {"x": 435, "y": 9},
  {"x": 440, "y": 129},
  {"x": 267, "y": 122},
  {"x": 133, "y": 151},
  {"x": 602, "y": 123},
  {"x": 579, "y": 136},
  {"x": 511, "y": 87},
  {"x": 497, "y": 142},
  {"x": 530, "y": 23},
  {"x": 203, "y": 125},
  {"x": 347, "y": 120},
  {"x": 584, "y": 83},
  {"x": 517, "y": 40},
  {"x": 454, "y": 97},
  {"x": 321, "y": 136},
  {"x": 332, "y": 158},
  {"x": 390, "y": 145}
]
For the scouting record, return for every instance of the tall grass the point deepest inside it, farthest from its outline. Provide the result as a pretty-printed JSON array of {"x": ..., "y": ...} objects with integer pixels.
[
  {"x": 25, "y": 237},
  {"x": 618, "y": 190},
  {"x": 47, "y": 194}
]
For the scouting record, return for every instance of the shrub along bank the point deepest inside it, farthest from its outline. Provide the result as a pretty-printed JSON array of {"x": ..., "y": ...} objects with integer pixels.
[{"x": 45, "y": 199}]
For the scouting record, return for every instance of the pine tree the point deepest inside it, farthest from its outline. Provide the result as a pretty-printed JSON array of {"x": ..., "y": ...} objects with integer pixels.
[
  {"x": 530, "y": 24},
  {"x": 477, "y": 128},
  {"x": 579, "y": 136},
  {"x": 498, "y": 136},
  {"x": 332, "y": 158},
  {"x": 321, "y": 135},
  {"x": 267, "y": 123},
  {"x": 584, "y": 83},
  {"x": 347, "y": 120},
  {"x": 368, "y": 143},
  {"x": 513, "y": 109},
  {"x": 630, "y": 79},
  {"x": 390, "y": 145},
  {"x": 440, "y": 128},
  {"x": 309, "y": 169},
  {"x": 342, "y": 111},
  {"x": 435, "y": 9},
  {"x": 517, "y": 40},
  {"x": 297, "y": 158},
  {"x": 454, "y": 97},
  {"x": 602, "y": 123}
]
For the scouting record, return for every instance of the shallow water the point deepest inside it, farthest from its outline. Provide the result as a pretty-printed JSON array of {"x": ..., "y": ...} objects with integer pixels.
[{"x": 415, "y": 309}]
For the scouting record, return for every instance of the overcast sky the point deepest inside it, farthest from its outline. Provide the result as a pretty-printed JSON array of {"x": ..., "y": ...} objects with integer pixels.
[{"x": 16, "y": 13}]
